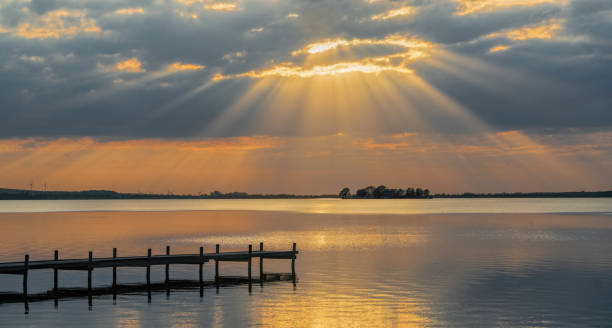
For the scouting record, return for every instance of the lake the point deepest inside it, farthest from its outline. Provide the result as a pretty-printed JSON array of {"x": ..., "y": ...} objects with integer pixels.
[{"x": 389, "y": 263}]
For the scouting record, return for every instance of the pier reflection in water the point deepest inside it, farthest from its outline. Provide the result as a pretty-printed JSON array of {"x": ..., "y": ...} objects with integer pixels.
[{"x": 354, "y": 270}]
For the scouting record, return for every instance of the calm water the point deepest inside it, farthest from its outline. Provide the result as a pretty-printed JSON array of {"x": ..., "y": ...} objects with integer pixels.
[
  {"x": 321, "y": 206},
  {"x": 511, "y": 263}
]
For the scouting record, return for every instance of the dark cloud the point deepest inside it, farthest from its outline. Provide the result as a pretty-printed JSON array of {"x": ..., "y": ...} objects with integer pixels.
[
  {"x": 67, "y": 86},
  {"x": 43, "y": 6}
]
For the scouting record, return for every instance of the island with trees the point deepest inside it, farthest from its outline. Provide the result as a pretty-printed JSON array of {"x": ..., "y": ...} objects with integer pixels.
[{"x": 382, "y": 192}]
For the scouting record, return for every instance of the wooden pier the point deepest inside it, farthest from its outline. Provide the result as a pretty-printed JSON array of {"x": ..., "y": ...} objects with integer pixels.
[{"x": 115, "y": 262}]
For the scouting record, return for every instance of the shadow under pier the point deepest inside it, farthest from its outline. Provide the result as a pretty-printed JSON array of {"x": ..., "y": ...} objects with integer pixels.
[{"x": 222, "y": 281}]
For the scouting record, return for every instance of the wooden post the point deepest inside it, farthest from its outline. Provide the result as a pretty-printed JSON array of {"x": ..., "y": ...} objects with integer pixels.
[
  {"x": 114, "y": 269},
  {"x": 261, "y": 274},
  {"x": 26, "y": 264},
  {"x": 149, "y": 275},
  {"x": 89, "y": 269},
  {"x": 293, "y": 262},
  {"x": 217, "y": 264},
  {"x": 149, "y": 268},
  {"x": 56, "y": 258},
  {"x": 167, "y": 265},
  {"x": 250, "y": 254},
  {"x": 201, "y": 265}
]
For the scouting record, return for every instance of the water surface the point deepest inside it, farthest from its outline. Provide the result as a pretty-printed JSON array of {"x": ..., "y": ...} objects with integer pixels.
[
  {"x": 321, "y": 206},
  {"x": 356, "y": 268}
]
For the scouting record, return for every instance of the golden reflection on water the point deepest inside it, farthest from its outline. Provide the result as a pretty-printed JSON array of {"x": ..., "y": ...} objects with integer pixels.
[
  {"x": 325, "y": 308},
  {"x": 76, "y": 232},
  {"x": 128, "y": 319},
  {"x": 323, "y": 239}
]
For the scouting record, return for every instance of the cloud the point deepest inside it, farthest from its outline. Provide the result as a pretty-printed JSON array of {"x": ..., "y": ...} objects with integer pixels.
[
  {"x": 411, "y": 49},
  {"x": 544, "y": 30},
  {"x": 34, "y": 59},
  {"x": 235, "y": 56},
  {"x": 471, "y": 7},
  {"x": 181, "y": 67},
  {"x": 256, "y": 30},
  {"x": 129, "y": 11},
  {"x": 394, "y": 13},
  {"x": 221, "y": 6},
  {"x": 398, "y": 40},
  {"x": 194, "y": 9},
  {"x": 499, "y": 48},
  {"x": 291, "y": 70},
  {"x": 510, "y": 64},
  {"x": 132, "y": 65},
  {"x": 55, "y": 24}
]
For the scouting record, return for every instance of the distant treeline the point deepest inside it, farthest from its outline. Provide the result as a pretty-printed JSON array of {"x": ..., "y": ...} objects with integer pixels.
[
  {"x": 529, "y": 194},
  {"x": 19, "y": 194},
  {"x": 384, "y": 192},
  {"x": 368, "y": 192}
]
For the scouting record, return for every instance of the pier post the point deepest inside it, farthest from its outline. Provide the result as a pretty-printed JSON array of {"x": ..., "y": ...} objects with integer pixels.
[
  {"x": 261, "y": 274},
  {"x": 250, "y": 254},
  {"x": 201, "y": 265},
  {"x": 55, "y": 258},
  {"x": 89, "y": 269},
  {"x": 149, "y": 268},
  {"x": 26, "y": 263},
  {"x": 293, "y": 262},
  {"x": 217, "y": 265},
  {"x": 167, "y": 265},
  {"x": 114, "y": 269}
]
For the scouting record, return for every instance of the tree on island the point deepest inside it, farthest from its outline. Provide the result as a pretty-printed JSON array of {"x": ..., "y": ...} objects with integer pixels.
[
  {"x": 384, "y": 192},
  {"x": 345, "y": 193}
]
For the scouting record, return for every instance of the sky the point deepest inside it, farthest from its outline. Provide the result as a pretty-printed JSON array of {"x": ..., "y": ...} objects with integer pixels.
[{"x": 306, "y": 96}]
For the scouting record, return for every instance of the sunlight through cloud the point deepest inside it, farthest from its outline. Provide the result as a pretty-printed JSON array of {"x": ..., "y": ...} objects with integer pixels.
[
  {"x": 221, "y": 6},
  {"x": 132, "y": 65},
  {"x": 471, "y": 7},
  {"x": 129, "y": 11},
  {"x": 412, "y": 49},
  {"x": 55, "y": 24},
  {"x": 394, "y": 13},
  {"x": 181, "y": 67},
  {"x": 545, "y": 30},
  {"x": 499, "y": 49}
]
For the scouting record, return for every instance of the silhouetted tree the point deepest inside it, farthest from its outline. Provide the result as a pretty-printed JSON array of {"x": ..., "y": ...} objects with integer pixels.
[
  {"x": 345, "y": 193},
  {"x": 379, "y": 192},
  {"x": 384, "y": 192}
]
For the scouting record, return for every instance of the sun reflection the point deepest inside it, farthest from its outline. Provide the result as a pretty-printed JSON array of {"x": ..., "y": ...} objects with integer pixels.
[
  {"x": 406, "y": 312},
  {"x": 322, "y": 240}
]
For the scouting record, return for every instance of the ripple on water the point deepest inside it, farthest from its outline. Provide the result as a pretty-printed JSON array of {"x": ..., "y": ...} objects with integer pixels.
[{"x": 435, "y": 271}]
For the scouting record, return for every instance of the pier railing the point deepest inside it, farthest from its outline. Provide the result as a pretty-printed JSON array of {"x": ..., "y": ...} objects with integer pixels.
[{"x": 90, "y": 263}]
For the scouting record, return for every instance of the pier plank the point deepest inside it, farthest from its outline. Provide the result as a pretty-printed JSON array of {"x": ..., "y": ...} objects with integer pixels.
[{"x": 141, "y": 261}]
